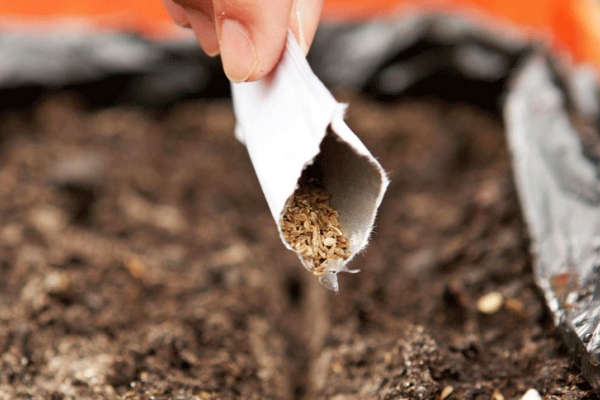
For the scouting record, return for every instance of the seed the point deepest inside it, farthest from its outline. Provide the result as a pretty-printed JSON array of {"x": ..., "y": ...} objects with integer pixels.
[
  {"x": 329, "y": 241},
  {"x": 490, "y": 303},
  {"x": 311, "y": 227},
  {"x": 446, "y": 392}
]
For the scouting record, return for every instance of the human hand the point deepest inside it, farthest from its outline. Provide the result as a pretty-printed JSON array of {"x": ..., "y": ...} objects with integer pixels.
[{"x": 250, "y": 35}]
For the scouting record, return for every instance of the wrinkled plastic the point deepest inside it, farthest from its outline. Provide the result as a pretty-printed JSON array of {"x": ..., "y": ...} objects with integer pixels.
[{"x": 559, "y": 191}]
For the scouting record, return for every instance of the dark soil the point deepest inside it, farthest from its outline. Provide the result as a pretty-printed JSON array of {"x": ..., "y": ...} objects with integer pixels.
[{"x": 138, "y": 260}]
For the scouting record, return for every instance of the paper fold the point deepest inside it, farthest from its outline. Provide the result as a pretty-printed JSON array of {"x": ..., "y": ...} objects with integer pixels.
[{"x": 290, "y": 121}]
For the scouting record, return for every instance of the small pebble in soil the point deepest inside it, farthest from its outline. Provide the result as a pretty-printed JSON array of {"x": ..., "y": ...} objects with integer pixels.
[
  {"x": 531, "y": 394},
  {"x": 84, "y": 169},
  {"x": 58, "y": 284},
  {"x": 48, "y": 220},
  {"x": 446, "y": 392},
  {"x": 490, "y": 303},
  {"x": 135, "y": 267},
  {"x": 79, "y": 177}
]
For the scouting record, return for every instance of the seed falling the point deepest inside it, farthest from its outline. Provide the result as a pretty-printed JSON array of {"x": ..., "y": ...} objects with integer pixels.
[{"x": 311, "y": 227}]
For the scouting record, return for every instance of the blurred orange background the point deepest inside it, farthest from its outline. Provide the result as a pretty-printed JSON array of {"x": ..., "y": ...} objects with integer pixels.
[{"x": 570, "y": 25}]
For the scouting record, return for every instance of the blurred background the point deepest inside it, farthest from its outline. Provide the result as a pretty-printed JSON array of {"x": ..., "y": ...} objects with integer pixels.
[{"x": 141, "y": 56}]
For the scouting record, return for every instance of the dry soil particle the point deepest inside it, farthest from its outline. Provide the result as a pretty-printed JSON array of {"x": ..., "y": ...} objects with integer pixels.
[{"x": 155, "y": 270}]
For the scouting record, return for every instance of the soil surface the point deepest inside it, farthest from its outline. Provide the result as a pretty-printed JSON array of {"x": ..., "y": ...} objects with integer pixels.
[{"x": 138, "y": 260}]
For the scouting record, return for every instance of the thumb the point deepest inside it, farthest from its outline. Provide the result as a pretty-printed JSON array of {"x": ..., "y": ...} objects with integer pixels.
[{"x": 251, "y": 36}]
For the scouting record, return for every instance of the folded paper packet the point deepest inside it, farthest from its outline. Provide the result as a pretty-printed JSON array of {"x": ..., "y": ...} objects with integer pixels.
[{"x": 322, "y": 185}]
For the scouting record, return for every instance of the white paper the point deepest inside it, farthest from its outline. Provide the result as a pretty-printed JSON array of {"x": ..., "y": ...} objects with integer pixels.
[{"x": 283, "y": 121}]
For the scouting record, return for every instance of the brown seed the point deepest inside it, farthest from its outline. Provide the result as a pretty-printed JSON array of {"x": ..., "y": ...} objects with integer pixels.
[
  {"x": 446, "y": 392},
  {"x": 311, "y": 228},
  {"x": 329, "y": 241}
]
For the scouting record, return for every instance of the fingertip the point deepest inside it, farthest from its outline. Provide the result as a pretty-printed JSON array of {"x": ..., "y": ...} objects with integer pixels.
[
  {"x": 204, "y": 29},
  {"x": 238, "y": 52},
  {"x": 177, "y": 14},
  {"x": 264, "y": 29}
]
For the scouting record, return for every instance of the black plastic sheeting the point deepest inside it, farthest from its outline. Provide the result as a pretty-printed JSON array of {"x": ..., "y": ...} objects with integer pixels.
[
  {"x": 417, "y": 55},
  {"x": 551, "y": 111},
  {"x": 106, "y": 69}
]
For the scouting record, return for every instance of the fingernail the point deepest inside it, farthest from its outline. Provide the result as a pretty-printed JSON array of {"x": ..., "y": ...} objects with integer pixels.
[
  {"x": 237, "y": 51},
  {"x": 301, "y": 38}
]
